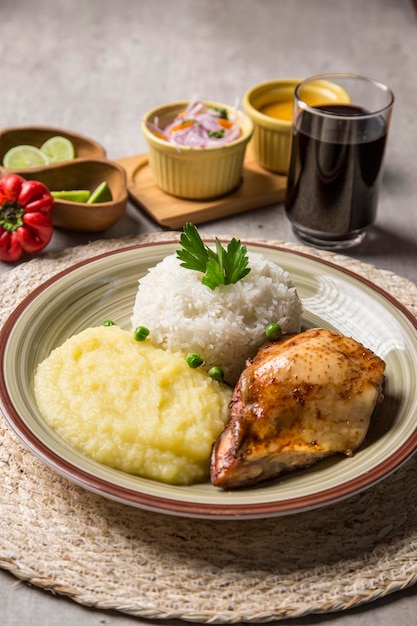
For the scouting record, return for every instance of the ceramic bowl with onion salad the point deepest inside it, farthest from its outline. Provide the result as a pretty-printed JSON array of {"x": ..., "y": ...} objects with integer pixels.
[{"x": 196, "y": 148}]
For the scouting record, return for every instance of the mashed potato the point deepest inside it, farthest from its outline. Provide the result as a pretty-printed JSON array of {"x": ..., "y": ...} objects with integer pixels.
[{"x": 132, "y": 406}]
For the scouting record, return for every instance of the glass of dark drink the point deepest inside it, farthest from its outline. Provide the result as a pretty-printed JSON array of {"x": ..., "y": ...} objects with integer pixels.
[{"x": 336, "y": 160}]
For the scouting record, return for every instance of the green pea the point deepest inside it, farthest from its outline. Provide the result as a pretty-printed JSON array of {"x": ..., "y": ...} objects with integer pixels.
[
  {"x": 216, "y": 373},
  {"x": 140, "y": 333},
  {"x": 194, "y": 360},
  {"x": 273, "y": 331},
  {"x": 109, "y": 323}
]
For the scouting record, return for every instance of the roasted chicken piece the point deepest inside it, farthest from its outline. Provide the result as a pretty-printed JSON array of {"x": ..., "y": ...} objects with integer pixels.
[{"x": 301, "y": 399}]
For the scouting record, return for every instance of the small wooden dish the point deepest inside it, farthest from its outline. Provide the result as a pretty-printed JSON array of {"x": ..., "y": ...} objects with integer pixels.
[
  {"x": 258, "y": 188},
  {"x": 83, "y": 174},
  {"x": 85, "y": 148}
]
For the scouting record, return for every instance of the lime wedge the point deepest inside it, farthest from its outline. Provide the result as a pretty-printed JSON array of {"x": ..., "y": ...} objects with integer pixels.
[
  {"x": 75, "y": 195},
  {"x": 58, "y": 149},
  {"x": 23, "y": 157},
  {"x": 102, "y": 193}
]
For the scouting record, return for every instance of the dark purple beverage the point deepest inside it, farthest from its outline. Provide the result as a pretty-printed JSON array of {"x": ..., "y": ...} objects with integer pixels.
[{"x": 335, "y": 172}]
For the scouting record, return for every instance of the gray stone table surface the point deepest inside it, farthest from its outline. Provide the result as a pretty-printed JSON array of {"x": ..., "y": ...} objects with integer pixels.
[{"x": 95, "y": 66}]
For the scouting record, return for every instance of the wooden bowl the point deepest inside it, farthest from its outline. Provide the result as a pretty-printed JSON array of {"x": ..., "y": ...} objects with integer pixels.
[
  {"x": 85, "y": 148},
  {"x": 82, "y": 174}
]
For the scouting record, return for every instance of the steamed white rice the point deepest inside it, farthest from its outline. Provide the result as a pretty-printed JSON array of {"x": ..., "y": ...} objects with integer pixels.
[{"x": 226, "y": 325}]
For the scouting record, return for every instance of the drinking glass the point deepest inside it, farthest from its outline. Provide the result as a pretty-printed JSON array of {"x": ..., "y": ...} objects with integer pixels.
[{"x": 336, "y": 160}]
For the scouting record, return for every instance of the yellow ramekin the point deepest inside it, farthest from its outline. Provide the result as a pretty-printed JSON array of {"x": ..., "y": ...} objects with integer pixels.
[
  {"x": 271, "y": 140},
  {"x": 190, "y": 172}
]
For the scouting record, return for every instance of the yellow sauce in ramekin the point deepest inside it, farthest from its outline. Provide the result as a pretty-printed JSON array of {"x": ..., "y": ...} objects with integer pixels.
[{"x": 280, "y": 110}]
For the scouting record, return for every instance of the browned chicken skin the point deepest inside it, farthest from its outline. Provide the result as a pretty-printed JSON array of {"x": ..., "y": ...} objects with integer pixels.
[{"x": 301, "y": 399}]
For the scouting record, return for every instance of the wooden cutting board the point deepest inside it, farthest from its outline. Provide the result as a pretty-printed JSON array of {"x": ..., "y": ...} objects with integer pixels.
[{"x": 258, "y": 188}]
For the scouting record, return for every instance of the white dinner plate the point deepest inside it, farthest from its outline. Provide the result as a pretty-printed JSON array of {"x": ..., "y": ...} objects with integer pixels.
[{"x": 105, "y": 287}]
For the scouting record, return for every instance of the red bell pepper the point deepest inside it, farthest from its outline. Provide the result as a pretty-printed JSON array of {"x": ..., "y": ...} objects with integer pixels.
[{"x": 25, "y": 220}]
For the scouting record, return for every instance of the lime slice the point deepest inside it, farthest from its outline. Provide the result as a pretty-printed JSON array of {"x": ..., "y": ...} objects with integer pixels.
[
  {"x": 102, "y": 193},
  {"x": 23, "y": 157},
  {"x": 74, "y": 195},
  {"x": 58, "y": 149}
]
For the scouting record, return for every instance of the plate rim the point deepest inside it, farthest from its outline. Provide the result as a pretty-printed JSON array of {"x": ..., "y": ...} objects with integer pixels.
[{"x": 166, "y": 505}]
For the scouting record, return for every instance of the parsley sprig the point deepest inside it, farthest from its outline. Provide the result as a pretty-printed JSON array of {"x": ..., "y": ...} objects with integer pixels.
[{"x": 223, "y": 266}]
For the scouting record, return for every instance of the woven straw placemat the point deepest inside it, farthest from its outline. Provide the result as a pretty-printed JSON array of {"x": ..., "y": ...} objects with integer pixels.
[{"x": 62, "y": 538}]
